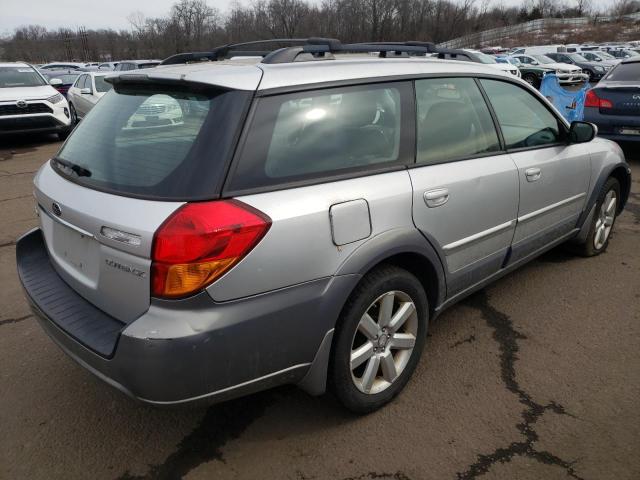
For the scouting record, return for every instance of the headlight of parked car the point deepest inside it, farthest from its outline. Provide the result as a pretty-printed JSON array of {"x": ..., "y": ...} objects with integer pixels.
[
  {"x": 57, "y": 98},
  {"x": 598, "y": 68}
]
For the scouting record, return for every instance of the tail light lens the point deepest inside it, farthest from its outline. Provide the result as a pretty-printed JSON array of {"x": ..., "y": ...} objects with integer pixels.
[
  {"x": 593, "y": 100},
  {"x": 199, "y": 242}
]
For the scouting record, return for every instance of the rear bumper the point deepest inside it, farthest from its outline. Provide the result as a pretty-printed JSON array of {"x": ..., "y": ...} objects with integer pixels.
[
  {"x": 187, "y": 350},
  {"x": 609, "y": 126}
]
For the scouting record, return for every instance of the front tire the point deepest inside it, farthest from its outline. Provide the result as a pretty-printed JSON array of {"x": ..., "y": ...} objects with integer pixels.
[
  {"x": 531, "y": 79},
  {"x": 603, "y": 220},
  {"x": 379, "y": 339}
]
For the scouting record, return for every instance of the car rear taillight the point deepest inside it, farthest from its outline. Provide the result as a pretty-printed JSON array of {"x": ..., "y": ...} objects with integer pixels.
[
  {"x": 199, "y": 242},
  {"x": 593, "y": 100}
]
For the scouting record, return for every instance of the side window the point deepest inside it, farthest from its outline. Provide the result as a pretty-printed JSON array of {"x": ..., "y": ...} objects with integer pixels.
[
  {"x": 453, "y": 121},
  {"x": 83, "y": 81},
  {"x": 77, "y": 82},
  {"x": 323, "y": 133},
  {"x": 525, "y": 121}
]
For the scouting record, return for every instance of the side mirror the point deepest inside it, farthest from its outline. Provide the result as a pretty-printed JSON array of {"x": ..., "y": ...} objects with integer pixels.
[
  {"x": 535, "y": 63},
  {"x": 85, "y": 91},
  {"x": 582, "y": 132},
  {"x": 54, "y": 82}
]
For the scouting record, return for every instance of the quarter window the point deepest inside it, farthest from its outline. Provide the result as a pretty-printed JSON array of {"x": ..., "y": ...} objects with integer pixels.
[
  {"x": 525, "y": 121},
  {"x": 453, "y": 121},
  {"x": 323, "y": 133}
]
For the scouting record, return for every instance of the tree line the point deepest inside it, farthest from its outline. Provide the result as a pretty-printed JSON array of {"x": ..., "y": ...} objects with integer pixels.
[{"x": 193, "y": 25}]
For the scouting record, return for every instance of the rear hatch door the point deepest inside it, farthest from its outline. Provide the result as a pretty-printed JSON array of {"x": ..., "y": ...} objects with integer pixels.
[{"x": 143, "y": 151}]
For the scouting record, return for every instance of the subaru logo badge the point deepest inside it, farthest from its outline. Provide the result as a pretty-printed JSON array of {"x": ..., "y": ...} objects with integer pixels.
[
  {"x": 21, "y": 104},
  {"x": 56, "y": 209},
  {"x": 636, "y": 97}
]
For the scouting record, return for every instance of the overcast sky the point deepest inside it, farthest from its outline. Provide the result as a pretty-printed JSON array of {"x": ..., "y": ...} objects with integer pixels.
[{"x": 105, "y": 13}]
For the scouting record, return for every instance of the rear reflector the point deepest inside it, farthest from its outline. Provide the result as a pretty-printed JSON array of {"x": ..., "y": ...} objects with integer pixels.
[{"x": 199, "y": 242}]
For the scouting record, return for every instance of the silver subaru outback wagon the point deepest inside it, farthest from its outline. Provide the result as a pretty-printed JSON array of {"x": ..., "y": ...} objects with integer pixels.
[{"x": 301, "y": 218}]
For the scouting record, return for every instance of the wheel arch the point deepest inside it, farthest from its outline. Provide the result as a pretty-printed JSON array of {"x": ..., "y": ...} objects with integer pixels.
[
  {"x": 404, "y": 248},
  {"x": 621, "y": 174}
]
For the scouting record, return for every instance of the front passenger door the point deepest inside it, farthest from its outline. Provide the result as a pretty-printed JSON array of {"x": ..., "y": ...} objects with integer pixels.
[
  {"x": 554, "y": 175},
  {"x": 465, "y": 189}
]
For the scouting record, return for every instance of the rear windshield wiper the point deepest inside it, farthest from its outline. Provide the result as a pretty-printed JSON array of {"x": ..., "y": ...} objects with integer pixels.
[{"x": 74, "y": 167}]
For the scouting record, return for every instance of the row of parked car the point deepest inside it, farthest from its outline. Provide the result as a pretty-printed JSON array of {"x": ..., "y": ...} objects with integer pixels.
[
  {"x": 82, "y": 85},
  {"x": 46, "y": 99}
]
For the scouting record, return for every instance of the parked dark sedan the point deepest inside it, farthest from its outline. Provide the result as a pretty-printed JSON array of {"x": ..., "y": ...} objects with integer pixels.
[
  {"x": 595, "y": 71},
  {"x": 614, "y": 104},
  {"x": 68, "y": 77}
]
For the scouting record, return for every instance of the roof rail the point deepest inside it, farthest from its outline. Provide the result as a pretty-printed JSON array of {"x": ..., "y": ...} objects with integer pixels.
[
  {"x": 227, "y": 51},
  {"x": 314, "y": 48}
]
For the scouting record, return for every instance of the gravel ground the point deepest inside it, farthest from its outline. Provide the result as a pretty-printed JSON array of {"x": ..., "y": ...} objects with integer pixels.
[{"x": 537, "y": 376}]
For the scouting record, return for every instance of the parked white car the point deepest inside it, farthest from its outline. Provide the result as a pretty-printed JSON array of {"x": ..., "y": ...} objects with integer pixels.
[
  {"x": 85, "y": 93},
  {"x": 157, "y": 111},
  {"x": 567, "y": 73},
  {"x": 28, "y": 103}
]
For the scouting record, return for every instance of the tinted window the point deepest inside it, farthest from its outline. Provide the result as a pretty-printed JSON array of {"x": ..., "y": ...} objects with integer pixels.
[
  {"x": 148, "y": 65},
  {"x": 453, "y": 120},
  {"x": 156, "y": 142},
  {"x": 525, "y": 121},
  {"x": 327, "y": 132},
  {"x": 625, "y": 72}
]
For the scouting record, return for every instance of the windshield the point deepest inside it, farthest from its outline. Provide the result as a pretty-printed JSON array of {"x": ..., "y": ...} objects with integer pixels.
[
  {"x": 155, "y": 142},
  {"x": 605, "y": 55},
  {"x": 543, "y": 59},
  {"x": 576, "y": 57},
  {"x": 101, "y": 85},
  {"x": 484, "y": 58},
  {"x": 20, "y": 77},
  {"x": 625, "y": 72}
]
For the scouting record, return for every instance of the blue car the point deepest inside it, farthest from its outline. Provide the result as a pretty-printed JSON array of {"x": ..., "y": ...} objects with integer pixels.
[{"x": 614, "y": 104}]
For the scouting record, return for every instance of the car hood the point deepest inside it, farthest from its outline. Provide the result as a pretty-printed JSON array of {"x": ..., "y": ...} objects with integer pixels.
[
  {"x": 560, "y": 66},
  {"x": 505, "y": 67},
  {"x": 26, "y": 93}
]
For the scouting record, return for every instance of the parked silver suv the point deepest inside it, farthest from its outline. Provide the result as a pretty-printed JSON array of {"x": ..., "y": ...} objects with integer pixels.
[{"x": 304, "y": 221}]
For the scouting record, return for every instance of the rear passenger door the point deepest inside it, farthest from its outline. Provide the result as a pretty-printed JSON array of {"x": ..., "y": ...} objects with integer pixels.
[
  {"x": 553, "y": 174},
  {"x": 465, "y": 187}
]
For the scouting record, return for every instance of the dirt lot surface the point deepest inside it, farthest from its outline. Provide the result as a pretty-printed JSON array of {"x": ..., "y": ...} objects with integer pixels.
[{"x": 536, "y": 377}]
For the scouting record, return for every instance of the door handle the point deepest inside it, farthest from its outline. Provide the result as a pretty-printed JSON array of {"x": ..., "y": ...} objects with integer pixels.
[
  {"x": 436, "y": 198},
  {"x": 533, "y": 174}
]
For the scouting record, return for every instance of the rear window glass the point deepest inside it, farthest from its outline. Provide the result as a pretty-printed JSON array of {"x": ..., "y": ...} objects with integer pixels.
[
  {"x": 625, "y": 72},
  {"x": 156, "y": 143},
  {"x": 323, "y": 133}
]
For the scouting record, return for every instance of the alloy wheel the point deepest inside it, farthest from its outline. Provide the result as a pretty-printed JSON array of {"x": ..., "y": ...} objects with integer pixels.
[
  {"x": 606, "y": 216},
  {"x": 383, "y": 342}
]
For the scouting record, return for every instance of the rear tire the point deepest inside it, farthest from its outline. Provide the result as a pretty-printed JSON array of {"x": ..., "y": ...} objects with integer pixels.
[
  {"x": 603, "y": 220},
  {"x": 379, "y": 339},
  {"x": 73, "y": 114}
]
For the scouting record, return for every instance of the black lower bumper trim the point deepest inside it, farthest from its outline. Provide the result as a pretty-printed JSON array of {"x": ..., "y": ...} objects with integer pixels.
[{"x": 59, "y": 303}]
